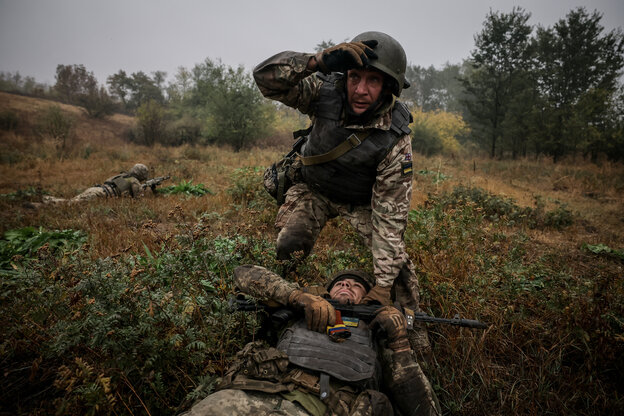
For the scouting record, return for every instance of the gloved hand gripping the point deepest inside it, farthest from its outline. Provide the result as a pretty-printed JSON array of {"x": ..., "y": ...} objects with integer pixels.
[
  {"x": 318, "y": 312},
  {"x": 345, "y": 56}
]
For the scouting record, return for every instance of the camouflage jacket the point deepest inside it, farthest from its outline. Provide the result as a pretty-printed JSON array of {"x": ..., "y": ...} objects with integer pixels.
[
  {"x": 403, "y": 378},
  {"x": 284, "y": 78},
  {"x": 123, "y": 185}
]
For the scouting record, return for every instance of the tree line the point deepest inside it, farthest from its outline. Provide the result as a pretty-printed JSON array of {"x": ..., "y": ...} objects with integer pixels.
[
  {"x": 552, "y": 91},
  {"x": 523, "y": 91},
  {"x": 211, "y": 103}
]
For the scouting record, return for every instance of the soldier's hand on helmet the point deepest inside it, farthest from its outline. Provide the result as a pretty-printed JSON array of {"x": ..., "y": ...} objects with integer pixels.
[
  {"x": 379, "y": 295},
  {"x": 318, "y": 312},
  {"x": 345, "y": 56},
  {"x": 392, "y": 322}
]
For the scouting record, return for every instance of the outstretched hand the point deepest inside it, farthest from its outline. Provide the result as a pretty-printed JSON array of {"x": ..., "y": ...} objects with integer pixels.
[{"x": 345, "y": 56}]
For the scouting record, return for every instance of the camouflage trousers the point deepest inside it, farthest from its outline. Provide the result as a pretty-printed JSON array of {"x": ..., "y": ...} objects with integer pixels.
[
  {"x": 232, "y": 402},
  {"x": 93, "y": 192},
  {"x": 302, "y": 217}
]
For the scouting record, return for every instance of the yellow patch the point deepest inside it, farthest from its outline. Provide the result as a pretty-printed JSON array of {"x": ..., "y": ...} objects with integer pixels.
[
  {"x": 348, "y": 321},
  {"x": 406, "y": 168}
]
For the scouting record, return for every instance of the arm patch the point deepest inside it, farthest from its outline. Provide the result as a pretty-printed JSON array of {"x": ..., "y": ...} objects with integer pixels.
[{"x": 406, "y": 168}]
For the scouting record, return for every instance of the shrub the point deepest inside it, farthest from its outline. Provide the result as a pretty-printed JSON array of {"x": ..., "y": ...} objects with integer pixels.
[
  {"x": 29, "y": 193},
  {"x": 152, "y": 124},
  {"x": 437, "y": 132},
  {"x": 247, "y": 188},
  {"x": 97, "y": 102},
  {"x": 8, "y": 120},
  {"x": 58, "y": 126},
  {"x": 238, "y": 113},
  {"x": 142, "y": 334},
  {"x": 26, "y": 241},
  {"x": 185, "y": 130},
  {"x": 186, "y": 188},
  {"x": 549, "y": 320},
  {"x": 496, "y": 208}
]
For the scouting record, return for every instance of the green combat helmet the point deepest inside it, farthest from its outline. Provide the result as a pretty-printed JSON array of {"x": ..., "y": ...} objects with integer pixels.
[
  {"x": 391, "y": 58},
  {"x": 139, "y": 171},
  {"x": 361, "y": 276}
]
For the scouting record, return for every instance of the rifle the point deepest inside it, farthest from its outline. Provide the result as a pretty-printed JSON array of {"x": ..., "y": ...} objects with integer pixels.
[
  {"x": 154, "y": 182},
  {"x": 364, "y": 312},
  {"x": 301, "y": 136}
]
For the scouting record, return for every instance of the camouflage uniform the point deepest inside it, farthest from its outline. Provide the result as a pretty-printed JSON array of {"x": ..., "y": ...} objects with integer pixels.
[
  {"x": 305, "y": 212},
  {"x": 122, "y": 185},
  {"x": 260, "y": 370},
  {"x": 231, "y": 402}
]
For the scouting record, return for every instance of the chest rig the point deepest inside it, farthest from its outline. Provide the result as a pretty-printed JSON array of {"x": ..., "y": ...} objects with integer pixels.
[
  {"x": 350, "y": 177},
  {"x": 352, "y": 361},
  {"x": 119, "y": 184}
]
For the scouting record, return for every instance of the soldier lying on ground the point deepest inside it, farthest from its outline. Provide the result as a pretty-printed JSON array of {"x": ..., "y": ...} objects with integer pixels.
[
  {"x": 121, "y": 185},
  {"x": 309, "y": 372}
]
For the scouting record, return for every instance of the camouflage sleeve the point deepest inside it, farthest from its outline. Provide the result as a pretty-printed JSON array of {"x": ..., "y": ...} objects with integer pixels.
[
  {"x": 285, "y": 78},
  {"x": 408, "y": 386},
  {"x": 392, "y": 193},
  {"x": 262, "y": 283},
  {"x": 135, "y": 191}
]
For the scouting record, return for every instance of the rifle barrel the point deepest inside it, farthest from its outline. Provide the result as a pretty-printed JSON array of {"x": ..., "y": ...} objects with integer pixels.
[{"x": 364, "y": 312}]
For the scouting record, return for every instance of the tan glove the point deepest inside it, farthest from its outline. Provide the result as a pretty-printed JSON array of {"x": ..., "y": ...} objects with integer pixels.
[
  {"x": 391, "y": 321},
  {"x": 378, "y": 294},
  {"x": 345, "y": 56},
  {"x": 318, "y": 312}
]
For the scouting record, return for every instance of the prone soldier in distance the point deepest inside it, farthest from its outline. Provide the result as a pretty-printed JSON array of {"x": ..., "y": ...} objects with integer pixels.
[{"x": 121, "y": 185}]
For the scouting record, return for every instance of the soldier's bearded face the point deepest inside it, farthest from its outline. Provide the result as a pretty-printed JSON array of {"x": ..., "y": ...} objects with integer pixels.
[
  {"x": 347, "y": 291},
  {"x": 363, "y": 88}
]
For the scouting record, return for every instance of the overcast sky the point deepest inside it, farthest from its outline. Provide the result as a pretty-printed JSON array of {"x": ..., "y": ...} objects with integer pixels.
[{"x": 149, "y": 35}]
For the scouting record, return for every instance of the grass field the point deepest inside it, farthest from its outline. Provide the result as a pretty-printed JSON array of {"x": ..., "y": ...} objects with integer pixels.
[{"x": 134, "y": 322}]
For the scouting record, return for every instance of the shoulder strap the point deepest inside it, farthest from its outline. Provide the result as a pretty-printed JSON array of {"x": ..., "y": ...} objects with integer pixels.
[
  {"x": 353, "y": 141},
  {"x": 401, "y": 118}
]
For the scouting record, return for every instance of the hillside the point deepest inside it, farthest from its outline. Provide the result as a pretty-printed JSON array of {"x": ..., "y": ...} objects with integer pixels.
[{"x": 135, "y": 321}]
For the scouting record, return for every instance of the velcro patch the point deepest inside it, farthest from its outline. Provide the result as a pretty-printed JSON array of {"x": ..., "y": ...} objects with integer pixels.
[{"x": 406, "y": 168}]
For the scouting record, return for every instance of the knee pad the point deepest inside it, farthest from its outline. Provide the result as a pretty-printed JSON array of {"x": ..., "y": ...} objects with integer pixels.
[{"x": 292, "y": 240}]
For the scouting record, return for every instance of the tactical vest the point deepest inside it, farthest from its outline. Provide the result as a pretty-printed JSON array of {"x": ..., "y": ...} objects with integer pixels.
[
  {"x": 354, "y": 360},
  {"x": 350, "y": 177},
  {"x": 120, "y": 184}
]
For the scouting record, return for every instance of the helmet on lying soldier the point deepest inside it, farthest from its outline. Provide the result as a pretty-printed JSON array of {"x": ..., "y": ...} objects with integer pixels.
[
  {"x": 360, "y": 276},
  {"x": 139, "y": 171}
]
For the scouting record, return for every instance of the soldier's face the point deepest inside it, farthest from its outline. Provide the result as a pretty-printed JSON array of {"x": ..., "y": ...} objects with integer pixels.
[
  {"x": 363, "y": 88},
  {"x": 347, "y": 291}
]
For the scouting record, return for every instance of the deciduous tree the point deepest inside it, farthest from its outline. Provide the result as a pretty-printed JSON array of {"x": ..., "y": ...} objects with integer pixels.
[
  {"x": 73, "y": 81},
  {"x": 501, "y": 56},
  {"x": 578, "y": 69},
  {"x": 238, "y": 113}
]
